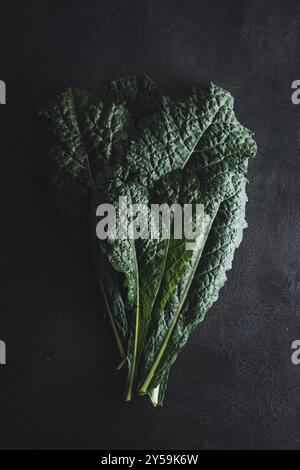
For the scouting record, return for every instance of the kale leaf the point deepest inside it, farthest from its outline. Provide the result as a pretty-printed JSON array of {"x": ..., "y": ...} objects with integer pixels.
[{"x": 128, "y": 139}]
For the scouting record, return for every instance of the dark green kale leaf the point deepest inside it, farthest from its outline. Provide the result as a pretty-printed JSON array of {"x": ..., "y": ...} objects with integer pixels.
[{"x": 131, "y": 140}]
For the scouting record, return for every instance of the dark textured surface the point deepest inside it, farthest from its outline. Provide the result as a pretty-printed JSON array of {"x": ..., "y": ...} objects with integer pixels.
[{"x": 234, "y": 386}]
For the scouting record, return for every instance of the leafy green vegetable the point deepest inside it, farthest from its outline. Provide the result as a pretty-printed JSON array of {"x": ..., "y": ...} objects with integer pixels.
[{"x": 128, "y": 139}]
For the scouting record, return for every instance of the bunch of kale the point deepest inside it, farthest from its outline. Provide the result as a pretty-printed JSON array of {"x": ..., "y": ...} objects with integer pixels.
[{"x": 131, "y": 140}]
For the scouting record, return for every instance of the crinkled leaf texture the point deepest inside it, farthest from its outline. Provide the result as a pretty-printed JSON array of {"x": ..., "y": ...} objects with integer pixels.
[{"x": 128, "y": 139}]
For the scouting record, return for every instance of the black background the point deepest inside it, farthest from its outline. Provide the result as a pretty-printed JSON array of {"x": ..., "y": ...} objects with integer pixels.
[{"x": 234, "y": 386}]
